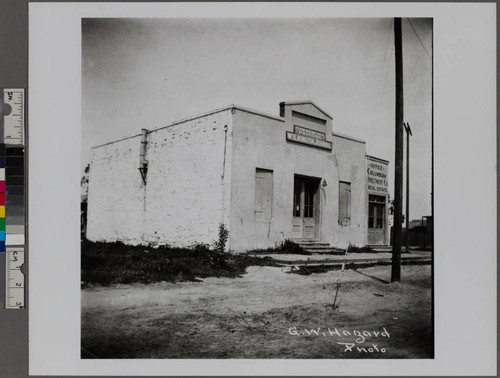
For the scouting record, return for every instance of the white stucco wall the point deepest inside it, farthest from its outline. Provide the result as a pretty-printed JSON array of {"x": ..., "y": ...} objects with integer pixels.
[
  {"x": 351, "y": 161},
  {"x": 116, "y": 195},
  {"x": 188, "y": 190},
  {"x": 187, "y": 193},
  {"x": 201, "y": 172},
  {"x": 260, "y": 142}
]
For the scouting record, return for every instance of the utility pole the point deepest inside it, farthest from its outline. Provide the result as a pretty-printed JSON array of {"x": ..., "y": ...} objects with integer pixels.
[
  {"x": 398, "y": 161},
  {"x": 408, "y": 134}
]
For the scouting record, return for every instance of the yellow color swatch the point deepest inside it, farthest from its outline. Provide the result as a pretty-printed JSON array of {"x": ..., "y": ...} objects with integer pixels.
[{"x": 2, "y": 211}]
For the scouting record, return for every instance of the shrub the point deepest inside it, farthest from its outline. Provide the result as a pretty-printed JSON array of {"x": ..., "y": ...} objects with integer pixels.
[
  {"x": 289, "y": 246},
  {"x": 220, "y": 244}
]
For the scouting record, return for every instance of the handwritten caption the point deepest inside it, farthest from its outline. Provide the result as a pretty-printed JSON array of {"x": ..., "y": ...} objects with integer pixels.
[{"x": 352, "y": 340}]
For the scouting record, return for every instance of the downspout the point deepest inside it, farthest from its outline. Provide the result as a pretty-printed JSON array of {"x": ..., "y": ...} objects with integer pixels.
[
  {"x": 223, "y": 182},
  {"x": 224, "y": 159}
]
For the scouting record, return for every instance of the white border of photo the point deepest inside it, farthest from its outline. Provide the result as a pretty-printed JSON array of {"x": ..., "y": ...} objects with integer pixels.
[{"x": 465, "y": 189}]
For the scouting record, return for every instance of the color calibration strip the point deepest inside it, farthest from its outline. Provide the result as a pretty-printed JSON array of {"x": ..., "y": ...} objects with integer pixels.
[{"x": 12, "y": 195}]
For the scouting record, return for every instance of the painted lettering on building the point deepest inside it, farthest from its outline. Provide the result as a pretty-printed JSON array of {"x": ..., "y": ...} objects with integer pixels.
[
  {"x": 309, "y": 137},
  {"x": 377, "y": 176}
]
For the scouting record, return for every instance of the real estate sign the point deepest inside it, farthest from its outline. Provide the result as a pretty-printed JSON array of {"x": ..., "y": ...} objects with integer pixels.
[{"x": 377, "y": 176}]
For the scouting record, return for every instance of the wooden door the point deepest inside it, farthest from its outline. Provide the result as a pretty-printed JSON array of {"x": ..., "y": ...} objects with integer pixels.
[
  {"x": 377, "y": 222},
  {"x": 305, "y": 208}
]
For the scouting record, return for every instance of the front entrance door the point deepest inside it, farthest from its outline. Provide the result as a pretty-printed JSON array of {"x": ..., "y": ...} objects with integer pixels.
[
  {"x": 376, "y": 220},
  {"x": 305, "y": 208}
]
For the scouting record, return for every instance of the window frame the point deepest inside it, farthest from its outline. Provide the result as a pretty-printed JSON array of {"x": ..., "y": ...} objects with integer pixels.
[{"x": 377, "y": 212}]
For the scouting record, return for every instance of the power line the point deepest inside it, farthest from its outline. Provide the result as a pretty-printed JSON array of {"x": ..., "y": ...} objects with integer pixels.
[
  {"x": 428, "y": 55},
  {"x": 385, "y": 71}
]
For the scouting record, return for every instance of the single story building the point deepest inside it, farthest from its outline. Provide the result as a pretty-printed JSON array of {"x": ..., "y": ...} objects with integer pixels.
[{"x": 266, "y": 178}]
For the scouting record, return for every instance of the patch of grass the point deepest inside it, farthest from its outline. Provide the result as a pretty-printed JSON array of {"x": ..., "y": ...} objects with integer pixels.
[
  {"x": 116, "y": 263},
  {"x": 285, "y": 247}
]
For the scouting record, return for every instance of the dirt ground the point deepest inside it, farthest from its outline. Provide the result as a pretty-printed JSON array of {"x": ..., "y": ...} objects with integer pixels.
[{"x": 267, "y": 313}]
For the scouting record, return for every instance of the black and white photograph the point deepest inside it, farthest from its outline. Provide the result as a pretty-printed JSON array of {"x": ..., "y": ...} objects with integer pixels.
[
  {"x": 257, "y": 188},
  {"x": 262, "y": 189}
]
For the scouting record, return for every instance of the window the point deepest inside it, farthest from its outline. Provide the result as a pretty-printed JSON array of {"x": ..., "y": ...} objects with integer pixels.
[
  {"x": 309, "y": 190},
  {"x": 376, "y": 211},
  {"x": 263, "y": 194},
  {"x": 304, "y": 191},
  {"x": 344, "y": 203}
]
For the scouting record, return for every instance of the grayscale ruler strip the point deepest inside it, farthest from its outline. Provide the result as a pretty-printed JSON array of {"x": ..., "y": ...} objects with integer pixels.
[
  {"x": 14, "y": 121},
  {"x": 14, "y": 292}
]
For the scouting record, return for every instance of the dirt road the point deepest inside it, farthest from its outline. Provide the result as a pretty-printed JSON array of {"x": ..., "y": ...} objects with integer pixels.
[{"x": 267, "y": 313}]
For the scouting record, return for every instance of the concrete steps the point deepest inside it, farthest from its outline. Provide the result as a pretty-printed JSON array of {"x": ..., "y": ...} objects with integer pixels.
[{"x": 316, "y": 247}]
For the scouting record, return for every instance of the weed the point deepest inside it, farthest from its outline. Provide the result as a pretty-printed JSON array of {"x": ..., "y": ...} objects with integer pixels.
[{"x": 220, "y": 243}]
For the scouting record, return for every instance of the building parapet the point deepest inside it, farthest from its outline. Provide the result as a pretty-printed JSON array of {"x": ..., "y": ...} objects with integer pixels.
[{"x": 349, "y": 137}]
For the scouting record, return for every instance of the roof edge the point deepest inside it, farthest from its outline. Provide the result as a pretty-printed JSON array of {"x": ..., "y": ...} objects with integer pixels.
[
  {"x": 115, "y": 141},
  {"x": 378, "y": 159},
  {"x": 256, "y": 112},
  {"x": 195, "y": 117},
  {"x": 349, "y": 137},
  {"x": 172, "y": 124}
]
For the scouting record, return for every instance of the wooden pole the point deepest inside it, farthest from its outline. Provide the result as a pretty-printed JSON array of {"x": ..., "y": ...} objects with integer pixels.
[
  {"x": 408, "y": 133},
  {"x": 398, "y": 160}
]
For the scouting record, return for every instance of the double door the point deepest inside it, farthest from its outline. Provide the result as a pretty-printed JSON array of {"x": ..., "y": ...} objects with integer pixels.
[
  {"x": 377, "y": 222},
  {"x": 305, "y": 207}
]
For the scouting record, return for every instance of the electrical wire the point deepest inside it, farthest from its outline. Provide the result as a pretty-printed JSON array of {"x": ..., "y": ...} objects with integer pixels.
[
  {"x": 380, "y": 91},
  {"x": 421, "y": 43}
]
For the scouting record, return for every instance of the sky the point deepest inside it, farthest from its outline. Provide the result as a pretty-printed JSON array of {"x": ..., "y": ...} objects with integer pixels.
[{"x": 148, "y": 73}]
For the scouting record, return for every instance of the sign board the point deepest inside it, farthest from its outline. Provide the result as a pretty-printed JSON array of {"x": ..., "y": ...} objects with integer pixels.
[
  {"x": 377, "y": 176},
  {"x": 309, "y": 137}
]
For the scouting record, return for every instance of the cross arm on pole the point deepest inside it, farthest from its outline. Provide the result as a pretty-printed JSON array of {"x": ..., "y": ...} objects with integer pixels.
[{"x": 407, "y": 128}]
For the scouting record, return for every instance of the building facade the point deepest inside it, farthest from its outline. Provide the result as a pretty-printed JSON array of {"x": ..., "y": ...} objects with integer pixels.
[{"x": 266, "y": 178}]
